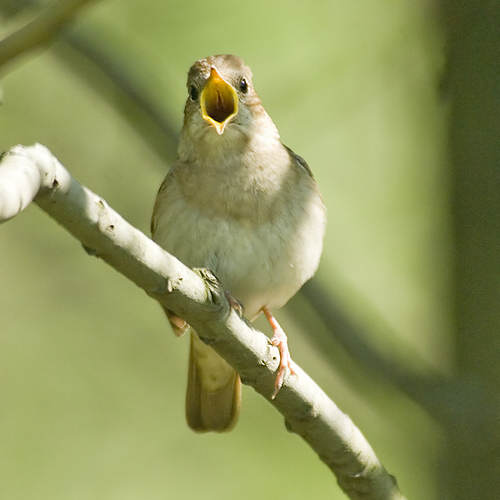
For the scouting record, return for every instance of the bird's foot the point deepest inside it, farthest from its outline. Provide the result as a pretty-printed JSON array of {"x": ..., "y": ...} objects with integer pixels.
[
  {"x": 234, "y": 303},
  {"x": 179, "y": 325},
  {"x": 280, "y": 340}
]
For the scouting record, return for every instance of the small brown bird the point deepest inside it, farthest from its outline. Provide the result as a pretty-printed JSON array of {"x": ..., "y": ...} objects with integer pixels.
[{"x": 240, "y": 203}]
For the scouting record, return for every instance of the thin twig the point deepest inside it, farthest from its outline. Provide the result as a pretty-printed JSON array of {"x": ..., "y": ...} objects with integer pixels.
[
  {"x": 28, "y": 174},
  {"x": 39, "y": 31}
]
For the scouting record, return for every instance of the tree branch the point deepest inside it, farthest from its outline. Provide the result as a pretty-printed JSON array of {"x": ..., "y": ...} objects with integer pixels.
[
  {"x": 32, "y": 173},
  {"x": 40, "y": 30}
]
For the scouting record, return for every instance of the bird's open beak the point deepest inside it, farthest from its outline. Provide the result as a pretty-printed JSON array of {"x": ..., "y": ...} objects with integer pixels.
[{"x": 218, "y": 101}]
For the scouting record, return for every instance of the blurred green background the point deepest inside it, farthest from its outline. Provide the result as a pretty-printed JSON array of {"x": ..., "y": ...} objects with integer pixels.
[{"x": 91, "y": 378}]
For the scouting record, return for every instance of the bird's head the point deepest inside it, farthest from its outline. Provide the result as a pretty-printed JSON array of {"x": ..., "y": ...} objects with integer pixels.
[{"x": 221, "y": 97}]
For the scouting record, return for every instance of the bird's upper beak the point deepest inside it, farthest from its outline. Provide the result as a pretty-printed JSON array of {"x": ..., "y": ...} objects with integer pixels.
[{"x": 218, "y": 101}]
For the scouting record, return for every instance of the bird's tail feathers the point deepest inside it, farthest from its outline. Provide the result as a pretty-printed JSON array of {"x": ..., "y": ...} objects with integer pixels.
[{"x": 213, "y": 395}]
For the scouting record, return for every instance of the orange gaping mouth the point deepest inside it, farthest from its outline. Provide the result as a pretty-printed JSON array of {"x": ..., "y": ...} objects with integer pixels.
[{"x": 219, "y": 101}]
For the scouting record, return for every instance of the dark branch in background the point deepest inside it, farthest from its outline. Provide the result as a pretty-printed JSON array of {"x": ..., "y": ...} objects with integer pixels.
[
  {"x": 426, "y": 390},
  {"x": 473, "y": 436},
  {"x": 152, "y": 125},
  {"x": 156, "y": 129}
]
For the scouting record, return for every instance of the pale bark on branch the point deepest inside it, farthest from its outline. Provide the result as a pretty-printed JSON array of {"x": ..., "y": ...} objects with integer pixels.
[{"x": 34, "y": 174}]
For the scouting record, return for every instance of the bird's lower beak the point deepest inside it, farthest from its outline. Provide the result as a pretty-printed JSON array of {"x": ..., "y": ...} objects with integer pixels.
[{"x": 218, "y": 101}]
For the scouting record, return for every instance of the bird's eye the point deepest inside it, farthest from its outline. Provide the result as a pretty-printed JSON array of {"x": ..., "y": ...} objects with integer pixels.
[
  {"x": 193, "y": 93},
  {"x": 244, "y": 85}
]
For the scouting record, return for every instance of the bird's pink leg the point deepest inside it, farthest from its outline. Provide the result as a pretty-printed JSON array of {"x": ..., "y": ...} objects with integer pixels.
[{"x": 279, "y": 339}]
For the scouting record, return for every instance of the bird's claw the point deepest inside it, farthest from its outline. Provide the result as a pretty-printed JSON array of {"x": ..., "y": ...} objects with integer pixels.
[
  {"x": 280, "y": 340},
  {"x": 234, "y": 303}
]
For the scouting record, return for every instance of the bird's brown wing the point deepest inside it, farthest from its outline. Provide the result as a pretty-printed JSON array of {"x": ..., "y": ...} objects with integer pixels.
[
  {"x": 156, "y": 214},
  {"x": 299, "y": 161},
  {"x": 179, "y": 326}
]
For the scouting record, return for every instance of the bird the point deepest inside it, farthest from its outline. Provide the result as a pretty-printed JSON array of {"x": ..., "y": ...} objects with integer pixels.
[{"x": 240, "y": 203}]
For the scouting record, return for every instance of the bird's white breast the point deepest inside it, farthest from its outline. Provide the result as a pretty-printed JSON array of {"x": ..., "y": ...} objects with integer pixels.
[{"x": 258, "y": 224}]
